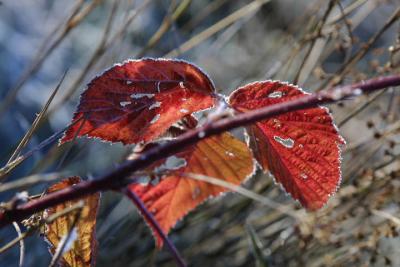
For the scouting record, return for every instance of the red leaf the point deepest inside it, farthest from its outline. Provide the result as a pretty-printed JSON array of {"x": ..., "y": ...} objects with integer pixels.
[
  {"x": 140, "y": 99},
  {"x": 223, "y": 157},
  {"x": 299, "y": 148}
]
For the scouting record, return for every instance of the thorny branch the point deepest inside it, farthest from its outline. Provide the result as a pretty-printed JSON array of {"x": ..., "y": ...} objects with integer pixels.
[{"x": 115, "y": 179}]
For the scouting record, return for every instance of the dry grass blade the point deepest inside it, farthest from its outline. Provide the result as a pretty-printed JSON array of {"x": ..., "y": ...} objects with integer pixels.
[
  {"x": 21, "y": 244},
  {"x": 102, "y": 47},
  {"x": 288, "y": 210},
  {"x": 73, "y": 21},
  {"x": 165, "y": 25},
  {"x": 36, "y": 122},
  {"x": 14, "y": 242},
  {"x": 223, "y": 23},
  {"x": 387, "y": 216},
  {"x": 206, "y": 11},
  {"x": 360, "y": 108},
  {"x": 256, "y": 245},
  {"x": 26, "y": 182},
  {"x": 353, "y": 6},
  {"x": 10, "y": 166},
  {"x": 348, "y": 65},
  {"x": 317, "y": 32}
]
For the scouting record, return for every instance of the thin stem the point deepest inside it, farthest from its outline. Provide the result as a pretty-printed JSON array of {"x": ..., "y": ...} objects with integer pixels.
[
  {"x": 21, "y": 244},
  {"x": 115, "y": 179},
  {"x": 150, "y": 218}
]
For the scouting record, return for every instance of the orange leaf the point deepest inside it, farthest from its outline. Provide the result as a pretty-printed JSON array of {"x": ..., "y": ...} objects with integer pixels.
[
  {"x": 223, "y": 157},
  {"x": 300, "y": 148},
  {"x": 140, "y": 99},
  {"x": 83, "y": 250}
]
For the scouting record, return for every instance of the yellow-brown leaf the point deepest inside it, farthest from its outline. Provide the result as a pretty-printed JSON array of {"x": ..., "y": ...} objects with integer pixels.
[{"x": 83, "y": 250}]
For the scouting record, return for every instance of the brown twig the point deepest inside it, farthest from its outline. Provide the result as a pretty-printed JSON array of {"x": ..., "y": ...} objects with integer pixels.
[
  {"x": 115, "y": 179},
  {"x": 150, "y": 218}
]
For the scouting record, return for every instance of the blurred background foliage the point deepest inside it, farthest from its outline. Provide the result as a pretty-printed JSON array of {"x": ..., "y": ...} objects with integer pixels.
[{"x": 312, "y": 43}]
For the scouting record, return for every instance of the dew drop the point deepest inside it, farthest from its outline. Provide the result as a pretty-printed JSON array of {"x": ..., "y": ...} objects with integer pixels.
[
  {"x": 181, "y": 85},
  {"x": 301, "y": 146},
  {"x": 285, "y": 142},
  {"x": 124, "y": 103},
  {"x": 201, "y": 134},
  {"x": 196, "y": 192},
  {"x": 183, "y": 98},
  {"x": 155, "y": 118},
  {"x": 277, "y": 94},
  {"x": 155, "y": 105},
  {"x": 184, "y": 110},
  {"x": 139, "y": 95},
  {"x": 230, "y": 154},
  {"x": 128, "y": 82},
  {"x": 303, "y": 175}
]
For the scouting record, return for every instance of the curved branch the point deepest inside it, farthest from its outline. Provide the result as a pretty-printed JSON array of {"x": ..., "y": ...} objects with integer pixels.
[
  {"x": 115, "y": 179},
  {"x": 150, "y": 218}
]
